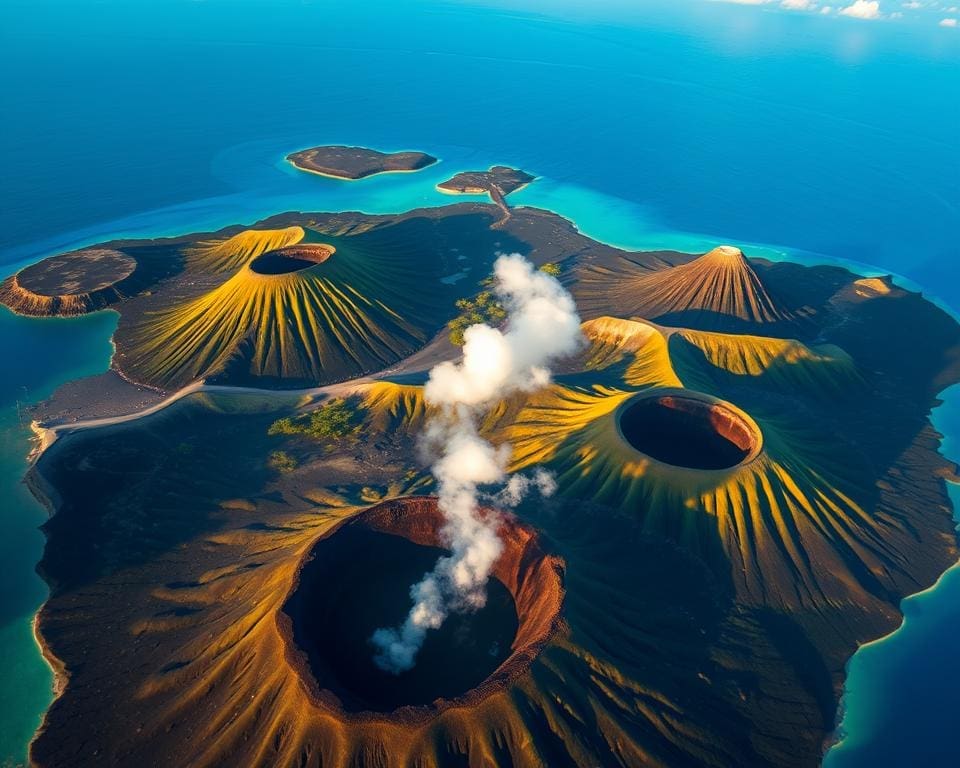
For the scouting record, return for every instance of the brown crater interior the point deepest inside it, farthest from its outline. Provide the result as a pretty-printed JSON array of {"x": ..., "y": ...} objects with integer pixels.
[
  {"x": 689, "y": 431},
  {"x": 357, "y": 578},
  {"x": 292, "y": 258}
]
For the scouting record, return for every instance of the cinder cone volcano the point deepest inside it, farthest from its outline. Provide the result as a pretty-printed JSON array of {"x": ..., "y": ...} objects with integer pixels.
[
  {"x": 718, "y": 291},
  {"x": 307, "y": 313}
]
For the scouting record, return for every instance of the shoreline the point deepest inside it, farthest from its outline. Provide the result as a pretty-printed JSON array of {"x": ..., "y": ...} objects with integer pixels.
[
  {"x": 839, "y": 734},
  {"x": 61, "y": 678},
  {"x": 358, "y": 178},
  {"x": 497, "y": 198},
  {"x": 434, "y": 160},
  {"x": 45, "y": 495}
]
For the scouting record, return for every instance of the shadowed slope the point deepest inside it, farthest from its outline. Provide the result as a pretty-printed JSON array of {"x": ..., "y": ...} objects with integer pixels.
[
  {"x": 786, "y": 522},
  {"x": 212, "y": 677},
  {"x": 718, "y": 291},
  {"x": 786, "y": 365}
]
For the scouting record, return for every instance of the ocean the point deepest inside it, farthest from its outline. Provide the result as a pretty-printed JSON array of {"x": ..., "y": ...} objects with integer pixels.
[{"x": 678, "y": 124}]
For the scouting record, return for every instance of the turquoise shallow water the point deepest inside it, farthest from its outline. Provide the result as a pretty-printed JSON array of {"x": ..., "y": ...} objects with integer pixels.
[
  {"x": 37, "y": 356},
  {"x": 661, "y": 124}
]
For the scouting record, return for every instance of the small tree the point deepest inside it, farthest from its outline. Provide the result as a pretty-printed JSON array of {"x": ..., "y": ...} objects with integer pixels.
[
  {"x": 551, "y": 268},
  {"x": 283, "y": 426},
  {"x": 282, "y": 462}
]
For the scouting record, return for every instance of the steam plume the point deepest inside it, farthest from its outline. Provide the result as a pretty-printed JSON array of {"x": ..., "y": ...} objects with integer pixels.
[{"x": 542, "y": 325}]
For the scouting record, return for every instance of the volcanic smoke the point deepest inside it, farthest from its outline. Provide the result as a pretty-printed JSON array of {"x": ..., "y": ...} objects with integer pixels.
[{"x": 542, "y": 325}]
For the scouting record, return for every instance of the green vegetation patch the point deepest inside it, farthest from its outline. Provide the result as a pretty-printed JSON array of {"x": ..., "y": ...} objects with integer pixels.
[
  {"x": 484, "y": 308},
  {"x": 334, "y": 420},
  {"x": 282, "y": 462}
]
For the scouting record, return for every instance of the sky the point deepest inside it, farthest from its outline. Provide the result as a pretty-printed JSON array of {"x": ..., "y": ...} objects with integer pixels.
[
  {"x": 943, "y": 14},
  {"x": 930, "y": 13}
]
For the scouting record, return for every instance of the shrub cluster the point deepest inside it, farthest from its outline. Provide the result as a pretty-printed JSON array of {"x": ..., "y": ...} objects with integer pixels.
[{"x": 484, "y": 308}]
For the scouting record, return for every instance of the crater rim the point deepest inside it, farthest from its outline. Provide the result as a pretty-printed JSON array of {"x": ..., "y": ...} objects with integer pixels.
[
  {"x": 533, "y": 577},
  {"x": 290, "y": 259},
  {"x": 716, "y": 417}
]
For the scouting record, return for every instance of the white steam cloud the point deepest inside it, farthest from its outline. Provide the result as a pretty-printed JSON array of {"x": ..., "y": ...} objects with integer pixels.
[{"x": 542, "y": 325}]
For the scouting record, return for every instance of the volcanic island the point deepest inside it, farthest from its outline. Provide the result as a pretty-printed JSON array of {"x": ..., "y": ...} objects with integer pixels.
[
  {"x": 748, "y": 486},
  {"x": 353, "y": 163}
]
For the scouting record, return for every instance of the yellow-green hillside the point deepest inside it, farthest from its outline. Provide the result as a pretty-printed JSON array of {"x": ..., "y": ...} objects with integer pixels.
[
  {"x": 360, "y": 310},
  {"x": 226, "y": 254},
  {"x": 791, "y": 521}
]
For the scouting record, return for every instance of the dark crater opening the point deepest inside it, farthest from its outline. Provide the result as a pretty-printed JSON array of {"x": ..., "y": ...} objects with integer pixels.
[
  {"x": 357, "y": 579},
  {"x": 688, "y": 431},
  {"x": 292, "y": 258}
]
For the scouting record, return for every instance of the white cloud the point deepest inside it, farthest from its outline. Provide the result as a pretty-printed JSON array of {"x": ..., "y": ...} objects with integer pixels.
[
  {"x": 862, "y": 9},
  {"x": 798, "y": 5},
  {"x": 948, "y": 22}
]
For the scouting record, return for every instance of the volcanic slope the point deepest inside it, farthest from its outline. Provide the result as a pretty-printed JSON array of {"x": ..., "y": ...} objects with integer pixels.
[
  {"x": 212, "y": 676},
  {"x": 779, "y": 514},
  {"x": 351, "y": 314},
  {"x": 717, "y": 291},
  {"x": 227, "y": 254},
  {"x": 306, "y": 306}
]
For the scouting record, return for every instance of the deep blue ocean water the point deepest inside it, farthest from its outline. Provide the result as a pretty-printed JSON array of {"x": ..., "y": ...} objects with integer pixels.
[{"x": 651, "y": 124}]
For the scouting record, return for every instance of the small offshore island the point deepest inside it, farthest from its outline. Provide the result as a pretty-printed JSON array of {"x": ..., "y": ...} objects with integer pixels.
[
  {"x": 748, "y": 486},
  {"x": 353, "y": 163}
]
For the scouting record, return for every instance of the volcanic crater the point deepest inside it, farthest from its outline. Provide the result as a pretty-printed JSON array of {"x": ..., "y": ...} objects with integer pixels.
[
  {"x": 292, "y": 258},
  {"x": 357, "y": 578},
  {"x": 689, "y": 429},
  {"x": 71, "y": 283}
]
